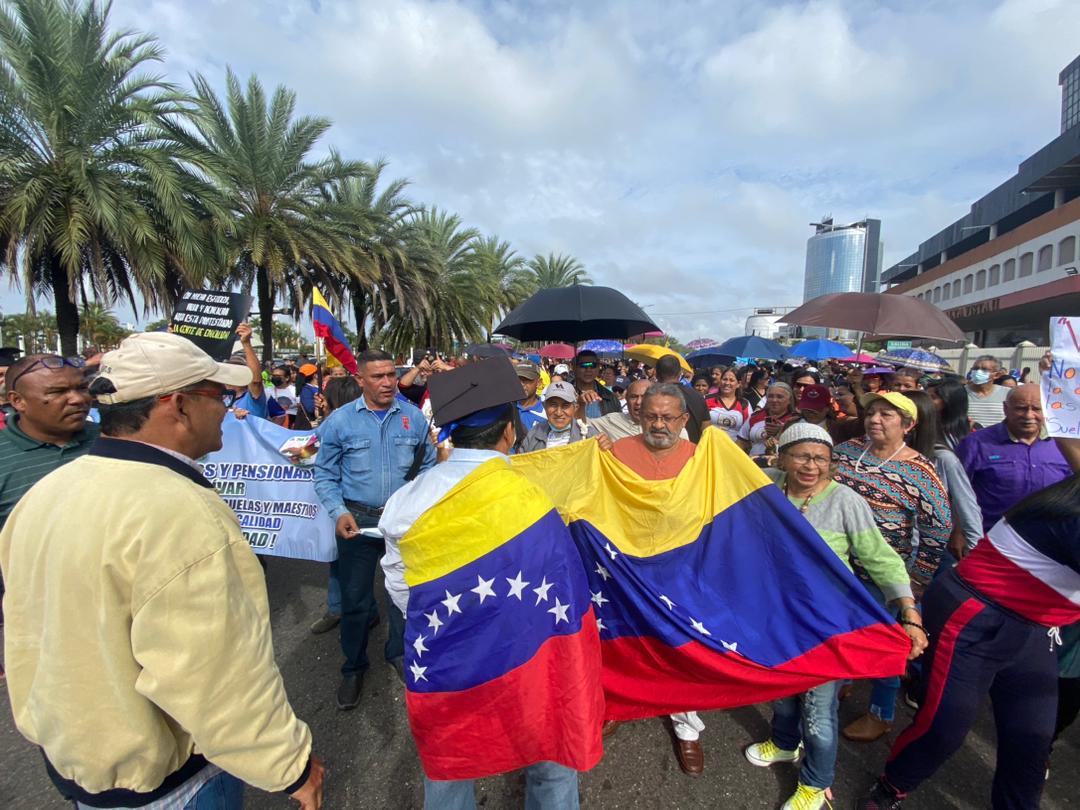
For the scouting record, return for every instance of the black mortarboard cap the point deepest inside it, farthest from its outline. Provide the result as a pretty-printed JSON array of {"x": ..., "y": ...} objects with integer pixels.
[
  {"x": 473, "y": 387},
  {"x": 9, "y": 354}
]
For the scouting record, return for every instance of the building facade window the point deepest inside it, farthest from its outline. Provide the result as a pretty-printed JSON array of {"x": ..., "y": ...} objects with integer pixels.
[
  {"x": 995, "y": 275},
  {"x": 1026, "y": 263},
  {"x": 1046, "y": 257},
  {"x": 937, "y": 294},
  {"x": 956, "y": 289},
  {"x": 1067, "y": 250},
  {"x": 980, "y": 280},
  {"x": 969, "y": 283},
  {"x": 945, "y": 292},
  {"x": 1008, "y": 272}
]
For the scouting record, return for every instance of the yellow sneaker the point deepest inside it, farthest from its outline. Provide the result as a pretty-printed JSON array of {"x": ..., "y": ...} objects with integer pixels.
[
  {"x": 768, "y": 753},
  {"x": 806, "y": 798}
]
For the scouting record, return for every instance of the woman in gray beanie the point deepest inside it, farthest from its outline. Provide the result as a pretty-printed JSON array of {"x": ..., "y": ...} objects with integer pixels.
[{"x": 846, "y": 524}]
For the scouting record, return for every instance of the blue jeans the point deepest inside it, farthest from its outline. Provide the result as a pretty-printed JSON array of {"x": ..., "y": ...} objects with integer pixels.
[
  {"x": 548, "y": 786},
  {"x": 884, "y": 691},
  {"x": 810, "y": 718},
  {"x": 333, "y": 591},
  {"x": 222, "y": 792},
  {"x": 357, "y": 562}
]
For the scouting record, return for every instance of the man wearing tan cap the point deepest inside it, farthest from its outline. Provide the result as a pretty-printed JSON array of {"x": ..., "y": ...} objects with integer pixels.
[{"x": 138, "y": 633}]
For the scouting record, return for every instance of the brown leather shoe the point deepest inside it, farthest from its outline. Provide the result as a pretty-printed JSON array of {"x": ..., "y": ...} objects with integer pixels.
[
  {"x": 691, "y": 757},
  {"x": 610, "y": 727},
  {"x": 867, "y": 729}
]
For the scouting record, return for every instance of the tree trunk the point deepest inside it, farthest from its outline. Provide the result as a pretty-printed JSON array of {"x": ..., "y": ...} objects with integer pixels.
[
  {"x": 67, "y": 311},
  {"x": 265, "y": 295},
  {"x": 356, "y": 295}
]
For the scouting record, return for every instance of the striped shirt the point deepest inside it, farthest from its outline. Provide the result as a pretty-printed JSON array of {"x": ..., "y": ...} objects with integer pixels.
[
  {"x": 1031, "y": 567},
  {"x": 25, "y": 461}
]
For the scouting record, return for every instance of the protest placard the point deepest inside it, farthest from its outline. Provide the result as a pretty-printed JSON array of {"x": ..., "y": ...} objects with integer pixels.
[
  {"x": 266, "y": 474},
  {"x": 208, "y": 318},
  {"x": 1061, "y": 384}
]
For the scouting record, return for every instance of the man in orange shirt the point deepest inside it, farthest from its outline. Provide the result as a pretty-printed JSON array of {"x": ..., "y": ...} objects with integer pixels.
[{"x": 659, "y": 453}]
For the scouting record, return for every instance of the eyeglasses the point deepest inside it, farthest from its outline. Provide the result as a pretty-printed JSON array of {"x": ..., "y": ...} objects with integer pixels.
[
  {"x": 805, "y": 458},
  {"x": 52, "y": 361},
  {"x": 650, "y": 418},
  {"x": 221, "y": 395},
  {"x": 587, "y": 364}
]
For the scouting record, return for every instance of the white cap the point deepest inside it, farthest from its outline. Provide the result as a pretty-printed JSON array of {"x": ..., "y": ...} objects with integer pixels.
[
  {"x": 562, "y": 369},
  {"x": 561, "y": 390},
  {"x": 151, "y": 363}
]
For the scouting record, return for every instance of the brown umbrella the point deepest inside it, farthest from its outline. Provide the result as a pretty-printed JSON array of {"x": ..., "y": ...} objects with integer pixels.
[{"x": 876, "y": 314}]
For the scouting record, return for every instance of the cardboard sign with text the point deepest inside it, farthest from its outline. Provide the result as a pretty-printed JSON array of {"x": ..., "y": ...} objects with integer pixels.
[
  {"x": 1061, "y": 384},
  {"x": 208, "y": 318}
]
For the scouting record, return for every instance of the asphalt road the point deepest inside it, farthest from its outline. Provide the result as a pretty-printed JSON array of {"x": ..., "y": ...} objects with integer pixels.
[{"x": 372, "y": 762}]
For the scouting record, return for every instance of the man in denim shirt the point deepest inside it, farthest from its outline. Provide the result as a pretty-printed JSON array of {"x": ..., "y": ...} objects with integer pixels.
[{"x": 366, "y": 449}]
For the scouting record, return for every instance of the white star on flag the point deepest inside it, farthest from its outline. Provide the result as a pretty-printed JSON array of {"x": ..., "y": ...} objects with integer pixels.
[
  {"x": 559, "y": 611},
  {"x": 610, "y": 550},
  {"x": 418, "y": 645},
  {"x": 598, "y": 597},
  {"x": 600, "y": 624},
  {"x": 451, "y": 604},
  {"x": 517, "y": 585},
  {"x": 433, "y": 621},
  {"x": 541, "y": 592},
  {"x": 699, "y": 627},
  {"x": 732, "y": 646},
  {"x": 483, "y": 588},
  {"x": 418, "y": 672},
  {"x": 602, "y": 572},
  {"x": 667, "y": 602}
]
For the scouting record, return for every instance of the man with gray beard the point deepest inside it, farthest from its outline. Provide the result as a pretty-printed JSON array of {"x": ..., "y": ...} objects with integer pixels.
[{"x": 657, "y": 453}]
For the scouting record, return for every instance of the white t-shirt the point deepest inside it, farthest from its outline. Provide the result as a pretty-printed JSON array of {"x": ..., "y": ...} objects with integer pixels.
[
  {"x": 730, "y": 420},
  {"x": 753, "y": 430},
  {"x": 288, "y": 393}
]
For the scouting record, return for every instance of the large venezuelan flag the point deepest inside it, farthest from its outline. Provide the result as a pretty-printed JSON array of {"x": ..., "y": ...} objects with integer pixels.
[
  {"x": 710, "y": 589},
  {"x": 502, "y": 654},
  {"x": 328, "y": 328}
]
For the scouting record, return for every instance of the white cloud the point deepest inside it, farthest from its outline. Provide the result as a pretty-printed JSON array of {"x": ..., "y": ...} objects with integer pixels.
[{"x": 678, "y": 149}]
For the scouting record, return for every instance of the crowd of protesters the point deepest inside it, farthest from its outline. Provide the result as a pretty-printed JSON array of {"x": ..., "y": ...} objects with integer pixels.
[{"x": 944, "y": 496}]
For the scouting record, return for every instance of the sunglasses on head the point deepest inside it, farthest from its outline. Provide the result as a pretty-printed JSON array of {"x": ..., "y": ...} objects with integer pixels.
[{"x": 52, "y": 361}]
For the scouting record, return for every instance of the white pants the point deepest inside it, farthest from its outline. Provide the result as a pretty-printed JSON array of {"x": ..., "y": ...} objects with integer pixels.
[{"x": 688, "y": 726}]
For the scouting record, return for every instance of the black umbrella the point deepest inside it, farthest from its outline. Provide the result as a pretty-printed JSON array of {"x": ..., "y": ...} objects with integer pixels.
[
  {"x": 577, "y": 313},
  {"x": 485, "y": 350}
]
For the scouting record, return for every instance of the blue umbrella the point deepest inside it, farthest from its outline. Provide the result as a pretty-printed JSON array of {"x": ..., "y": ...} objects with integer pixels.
[
  {"x": 915, "y": 358},
  {"x": 703, "y": 358},
  {"x": 602, "y": 346},
  {"x": 751, "y": 346},
  {"x": 820, "y": 349}
]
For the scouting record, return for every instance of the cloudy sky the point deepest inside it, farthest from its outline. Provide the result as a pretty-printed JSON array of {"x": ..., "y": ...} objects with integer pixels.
[{"x": 677, "y": 148}]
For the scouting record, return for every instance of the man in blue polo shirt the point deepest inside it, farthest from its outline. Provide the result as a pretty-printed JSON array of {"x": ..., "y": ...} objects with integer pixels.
[{"x": 367, "y": 451}]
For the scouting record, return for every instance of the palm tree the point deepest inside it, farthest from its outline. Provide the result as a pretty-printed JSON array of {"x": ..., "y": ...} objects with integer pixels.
[
  {"x": 507, "y": 270},
  {"x": 280, "y": 233},
  {"x": 92, "y": 191},
  {"x": 99, "y": 327},
  {"x": 557, "y": 271},
  {"x": 386, "y": 271},
  {"x": 461, "y": 297}
]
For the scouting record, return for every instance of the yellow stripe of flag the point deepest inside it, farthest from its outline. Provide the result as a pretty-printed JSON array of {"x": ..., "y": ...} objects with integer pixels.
[
  {"x": 588, "y": 483},
  {"x": 490, "y": 506}
]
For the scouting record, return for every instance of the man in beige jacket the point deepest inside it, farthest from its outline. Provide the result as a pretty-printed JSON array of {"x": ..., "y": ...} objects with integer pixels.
[{"x": 138, "y": 634}]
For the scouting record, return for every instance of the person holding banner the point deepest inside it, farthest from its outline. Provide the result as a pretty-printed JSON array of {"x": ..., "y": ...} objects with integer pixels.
[
  {"x": 138, "y": 631},
  {"x": 368, "y": 449}
]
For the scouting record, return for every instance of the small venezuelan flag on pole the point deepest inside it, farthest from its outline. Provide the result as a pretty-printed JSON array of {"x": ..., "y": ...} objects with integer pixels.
[{"x": 329, "y": 329}]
